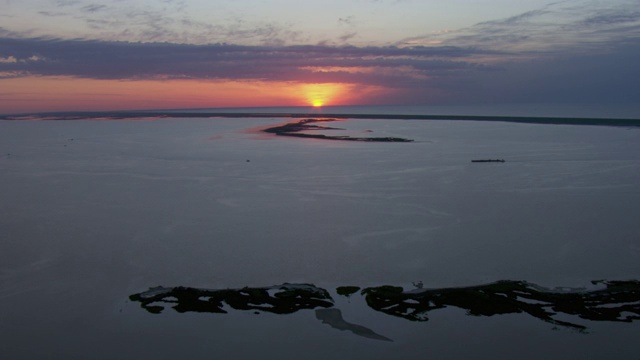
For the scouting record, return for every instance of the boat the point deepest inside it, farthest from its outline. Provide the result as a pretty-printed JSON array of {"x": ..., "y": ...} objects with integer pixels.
[{"x": 488, "y": 160}]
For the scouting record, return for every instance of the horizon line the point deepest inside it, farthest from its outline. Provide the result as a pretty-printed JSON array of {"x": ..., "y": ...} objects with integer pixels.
[{"x": 189, "y": 113}]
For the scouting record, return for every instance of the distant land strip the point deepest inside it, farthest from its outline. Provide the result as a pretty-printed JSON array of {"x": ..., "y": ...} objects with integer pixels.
[{"x": 119, "y": 115}]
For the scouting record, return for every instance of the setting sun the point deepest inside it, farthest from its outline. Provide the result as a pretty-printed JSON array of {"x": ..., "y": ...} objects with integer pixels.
[{"x": 322, "y": 94}]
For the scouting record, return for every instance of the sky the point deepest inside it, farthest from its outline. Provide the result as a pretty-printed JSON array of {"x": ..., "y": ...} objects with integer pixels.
[{"x": 72, "y": 55}]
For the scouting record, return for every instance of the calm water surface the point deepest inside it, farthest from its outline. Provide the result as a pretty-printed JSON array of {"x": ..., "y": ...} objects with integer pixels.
[{"x": 95, "y": 211}]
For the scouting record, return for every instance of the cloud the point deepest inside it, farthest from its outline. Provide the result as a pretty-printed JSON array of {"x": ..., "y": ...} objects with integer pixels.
[
  {"x": 560, "y": 52},
  {"x": 346, "y": 37},
  {"x": 416, "y": 74},
  {"x": 347, "y": 21},
  {"x": 123, "y": 60},
  {"x": 169, "y": 21},
  {"x": 92, "y": 8},
  {"x": 65, "y": 3},
  {"x": 554, "y": 28},
  {"x": 517, "y": 19},
  {"x": 615, "y": 17},
  {"x": 14, "y": 60},
  {"x": 4, "y": 33},
  {"x": 599, "y": 77},
  {"x": 8, "y": 60},
  {"x": 52, "y": 14},
  {"x": 389, "y": 1}
]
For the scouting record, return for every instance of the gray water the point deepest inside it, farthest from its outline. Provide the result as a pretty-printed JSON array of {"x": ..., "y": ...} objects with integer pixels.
[{"x": 92, "y": 212}]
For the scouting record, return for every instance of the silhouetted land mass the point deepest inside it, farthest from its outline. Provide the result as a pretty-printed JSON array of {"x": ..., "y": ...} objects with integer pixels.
[
  {"x": 281, "y": 299},
  {"x": 295, "y": 128},
  {"x": 347, "y": 290},
  {"x": 187, "y": 114},
  {"x": 616, "y": 301}
]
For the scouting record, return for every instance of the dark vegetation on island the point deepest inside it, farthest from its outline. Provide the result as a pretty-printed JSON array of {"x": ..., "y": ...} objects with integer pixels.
[
  {"x": 615, "y": 301},
  {"x": 206, "y": 114},
  {"x": 283, "y": 299},
  {"x": 295, "y": 129},
  {"x": 618, "y": 302},
  {"x": 347, "y": 290}
]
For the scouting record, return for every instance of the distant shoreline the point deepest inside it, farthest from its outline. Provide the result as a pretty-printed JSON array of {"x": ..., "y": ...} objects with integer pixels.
[{"x": 119, "y": 115}]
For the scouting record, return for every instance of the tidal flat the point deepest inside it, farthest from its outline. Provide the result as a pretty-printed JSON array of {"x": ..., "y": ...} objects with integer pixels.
[{"x": 95, "y": 212}]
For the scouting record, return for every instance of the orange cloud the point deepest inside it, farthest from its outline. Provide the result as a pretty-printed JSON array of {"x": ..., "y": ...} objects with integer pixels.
[{"x": 36, "y": 94}]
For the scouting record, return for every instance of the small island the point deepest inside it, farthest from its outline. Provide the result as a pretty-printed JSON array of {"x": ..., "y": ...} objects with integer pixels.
[{"x": 295, "y": 128}]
